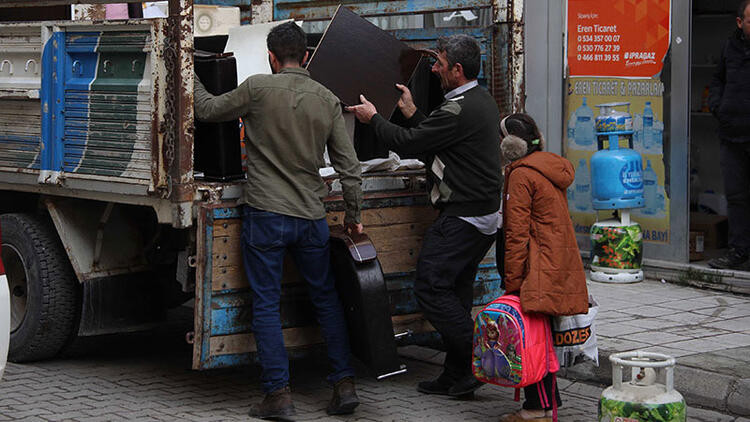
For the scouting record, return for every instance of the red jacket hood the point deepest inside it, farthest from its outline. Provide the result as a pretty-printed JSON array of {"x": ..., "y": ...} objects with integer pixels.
[{"x": 556, "y": 169}]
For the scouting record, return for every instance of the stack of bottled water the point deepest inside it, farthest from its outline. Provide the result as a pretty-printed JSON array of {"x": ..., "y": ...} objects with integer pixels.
[
  {"x": 647, "y": 138},
  {"x": 581, "y": 134},
  {"x": 650, "y": 185}
]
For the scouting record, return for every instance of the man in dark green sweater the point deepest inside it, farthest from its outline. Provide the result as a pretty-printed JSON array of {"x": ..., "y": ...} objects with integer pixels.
[
  {"x": 461, "y": 140},
  {"x": 289, "y": 120}
]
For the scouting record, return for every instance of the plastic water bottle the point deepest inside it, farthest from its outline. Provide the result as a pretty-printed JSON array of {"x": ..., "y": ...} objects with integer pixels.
[
  {"x": 638, "y": 132},
  {"x": 572, "y": 128},
  {"x": 648, "y": 126},
  {"x": 582, "y": 195},
  {"x": 649, "y": 190},
  {"x": 584, "y": 127},
  {"x": 658, "y": 134}
]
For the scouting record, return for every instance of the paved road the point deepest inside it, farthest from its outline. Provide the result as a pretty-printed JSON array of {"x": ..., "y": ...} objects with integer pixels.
[{"x": 145, "y": 377}]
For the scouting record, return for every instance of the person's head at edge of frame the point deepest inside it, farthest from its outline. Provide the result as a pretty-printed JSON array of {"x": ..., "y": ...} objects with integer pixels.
[
  {"x": 457, "y": 62},
  {"x": 287, "y": 46},
  {"x": 743, "y": 18},
  {"x": 521, "y": 136}
]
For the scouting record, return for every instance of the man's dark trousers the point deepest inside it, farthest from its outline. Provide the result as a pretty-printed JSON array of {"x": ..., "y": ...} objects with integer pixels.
[
  {"x": 451, "y": 251},
  {"x": 266, "y": 238},
  {"x": 735, "y": 167}
]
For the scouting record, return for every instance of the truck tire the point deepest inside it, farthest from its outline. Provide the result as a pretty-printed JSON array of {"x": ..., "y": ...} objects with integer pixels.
[{"x": 45, "y": 294}]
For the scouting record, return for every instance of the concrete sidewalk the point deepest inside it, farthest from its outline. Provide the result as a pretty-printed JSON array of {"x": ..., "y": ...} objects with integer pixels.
[{"x": 707, "y": 331}]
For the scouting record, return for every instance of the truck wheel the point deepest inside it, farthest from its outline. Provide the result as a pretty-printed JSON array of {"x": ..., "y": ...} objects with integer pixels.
[{"x": 44, "y": 291}]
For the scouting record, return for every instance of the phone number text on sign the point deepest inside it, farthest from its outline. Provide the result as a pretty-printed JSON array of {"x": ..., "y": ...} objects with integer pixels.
[
  {"x": 598, "y": 57},
  {"x": 598, "y": 43}
]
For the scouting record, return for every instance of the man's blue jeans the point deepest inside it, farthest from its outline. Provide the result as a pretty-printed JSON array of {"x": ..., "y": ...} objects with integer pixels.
[{"x": 266, "y": 238}]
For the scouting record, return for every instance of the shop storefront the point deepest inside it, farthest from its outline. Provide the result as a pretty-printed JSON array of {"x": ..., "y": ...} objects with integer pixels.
[{"x": 655, "y": 58}]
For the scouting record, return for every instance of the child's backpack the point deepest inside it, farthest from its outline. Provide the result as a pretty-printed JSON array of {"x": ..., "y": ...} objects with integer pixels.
[{"x": 512, "y": 348}]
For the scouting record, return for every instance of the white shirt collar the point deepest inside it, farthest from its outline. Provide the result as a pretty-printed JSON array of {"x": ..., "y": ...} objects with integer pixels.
[{"x": 461, "y": 89}]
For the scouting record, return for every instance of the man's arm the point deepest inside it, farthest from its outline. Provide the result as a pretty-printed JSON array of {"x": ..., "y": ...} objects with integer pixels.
[
  {"x": 345, "y": 162},
  {"x": 716, "y": 88},
  {"x": 424, "y": 135},
  {"x": 228, "y": 106},
  {"x": 431, "y": 135}
]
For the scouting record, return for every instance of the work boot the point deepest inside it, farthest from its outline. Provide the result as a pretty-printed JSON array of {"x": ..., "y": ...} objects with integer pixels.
[
  {"x": 440, "y": 387},
  {"x": 464, "y": 386},
  {"x": 734, "y": 259},
  {"x": 277, "y": 405},
  {"x": 344, "y": 398}
]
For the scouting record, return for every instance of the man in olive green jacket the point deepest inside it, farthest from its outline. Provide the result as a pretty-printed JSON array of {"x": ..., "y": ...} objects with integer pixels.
[{"x": 289, "y": 120}]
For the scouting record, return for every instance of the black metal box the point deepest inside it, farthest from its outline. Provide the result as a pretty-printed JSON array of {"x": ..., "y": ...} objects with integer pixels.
[{"x": 217, "y": 151}]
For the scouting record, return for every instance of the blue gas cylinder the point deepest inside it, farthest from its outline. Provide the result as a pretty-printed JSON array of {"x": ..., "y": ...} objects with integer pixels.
[{"x": 616, "y": 175}]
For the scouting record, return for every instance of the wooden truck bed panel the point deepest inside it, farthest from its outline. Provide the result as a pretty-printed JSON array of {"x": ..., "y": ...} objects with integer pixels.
[{"x": 223, "y": 334}]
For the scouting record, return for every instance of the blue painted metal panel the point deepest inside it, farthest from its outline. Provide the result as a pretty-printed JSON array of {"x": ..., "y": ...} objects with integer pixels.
[
  {"x": 238, "y": 359},
  {"x": 95, "y": 118},
  {"x": 403, "y": 300},
  {"x": 45, "y": 96},
  {"x": 229, "y": 361},
  {"x": 231, "y": 311},
  {"x": 220, "y": 213},
  {"x": 52, "y": 98},
  {"x": 425, "y": 38},
  {"x": 80, "y": 71},
  {"x": 431, "y": 34},
  {"x": 59, "y": 108},
  {"x": 231, "y": 320}
]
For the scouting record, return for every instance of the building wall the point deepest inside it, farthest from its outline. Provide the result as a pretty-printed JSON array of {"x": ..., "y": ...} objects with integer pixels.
[{"x": 543, "y": 54}]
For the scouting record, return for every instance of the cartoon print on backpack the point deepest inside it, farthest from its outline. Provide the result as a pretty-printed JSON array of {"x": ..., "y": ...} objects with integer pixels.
[
  {"x": 494, "y": 362},
  {"x": 495, "y": 346}
]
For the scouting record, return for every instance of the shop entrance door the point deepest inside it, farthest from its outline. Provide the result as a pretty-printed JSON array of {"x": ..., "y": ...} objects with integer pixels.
[{"x": 712, "y": 23}]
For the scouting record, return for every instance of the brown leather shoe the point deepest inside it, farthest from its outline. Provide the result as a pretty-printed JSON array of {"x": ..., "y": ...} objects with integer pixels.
[
  {"x": 277, "y": 405},
  {"x": 344, "y": 399}
]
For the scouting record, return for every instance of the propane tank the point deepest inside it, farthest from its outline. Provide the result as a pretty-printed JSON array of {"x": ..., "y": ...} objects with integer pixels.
[
  {"x": 642, "y": 398},
  {"x": 616, "y": 173},
  {"x": 616, "y": 176}
]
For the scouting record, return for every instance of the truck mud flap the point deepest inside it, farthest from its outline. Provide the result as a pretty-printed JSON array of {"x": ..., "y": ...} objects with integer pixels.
[{"x": 363, "y": 293}]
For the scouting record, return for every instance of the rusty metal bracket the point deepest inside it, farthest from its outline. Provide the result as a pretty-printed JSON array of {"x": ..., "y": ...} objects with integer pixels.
[{"x": 180, "y": 28}]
